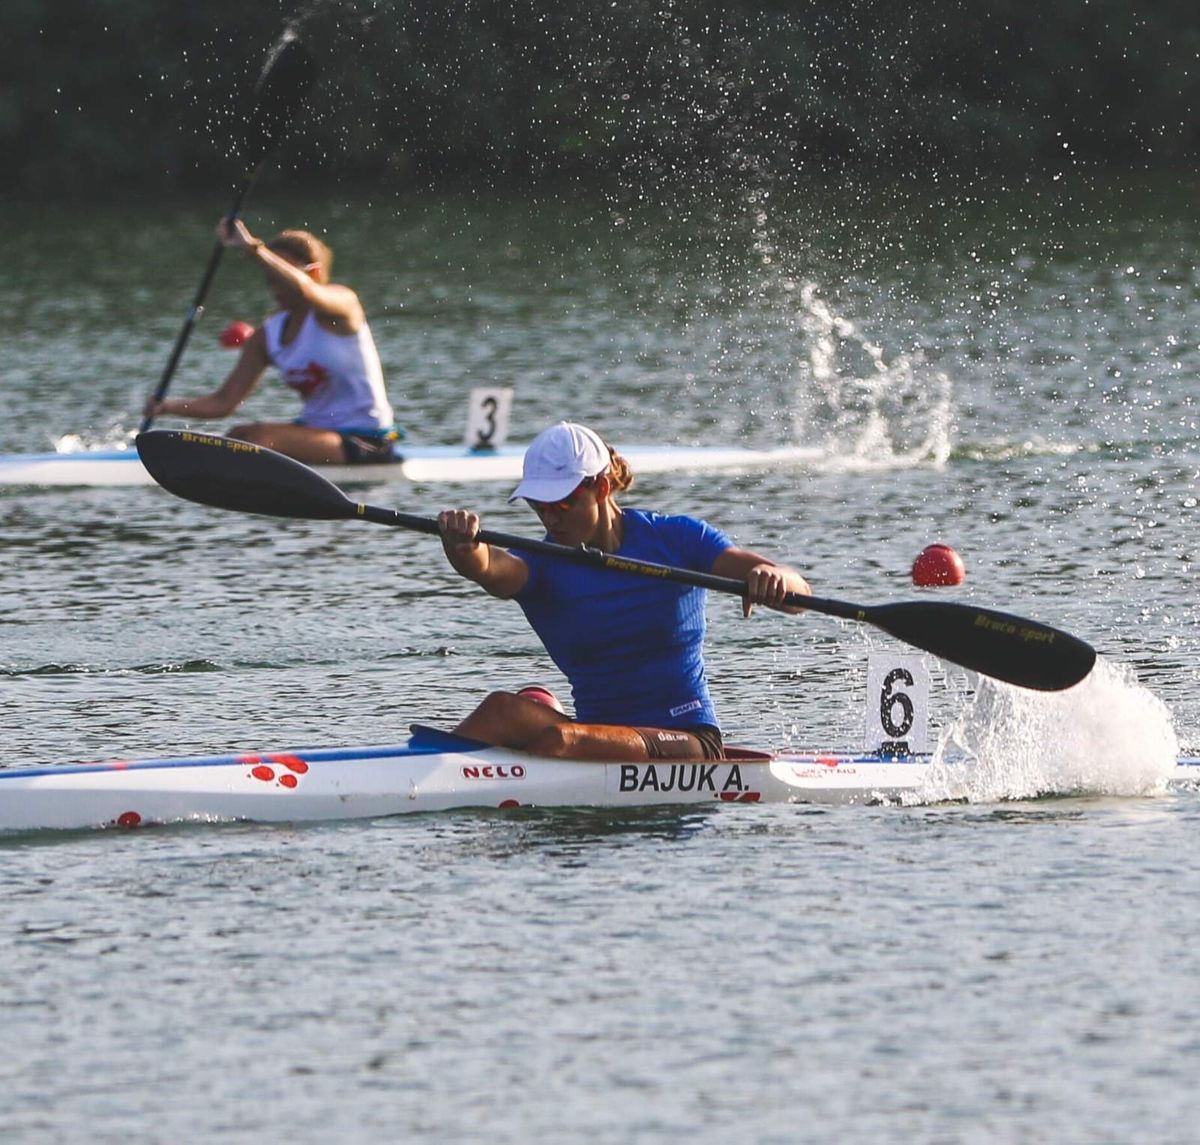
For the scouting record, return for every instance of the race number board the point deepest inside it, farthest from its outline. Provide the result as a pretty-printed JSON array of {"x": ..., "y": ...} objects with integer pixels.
[
  {"x": 487, "y": 417},
  {"x": 897, "y": 704}
]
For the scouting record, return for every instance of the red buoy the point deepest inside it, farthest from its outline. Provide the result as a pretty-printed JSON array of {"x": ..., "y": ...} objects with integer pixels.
[
  {"x": 235, "y": 334},
  {"x": 938, "y": 565}
]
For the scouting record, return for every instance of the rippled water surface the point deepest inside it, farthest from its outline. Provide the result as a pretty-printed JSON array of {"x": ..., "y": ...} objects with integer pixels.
[{"x": 1014, "y": 378}]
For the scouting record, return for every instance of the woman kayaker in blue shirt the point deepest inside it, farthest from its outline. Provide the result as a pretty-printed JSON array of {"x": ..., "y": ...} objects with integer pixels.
[
  {"x": 631, "y": 646},
  {"x": 320, "y": 342}
]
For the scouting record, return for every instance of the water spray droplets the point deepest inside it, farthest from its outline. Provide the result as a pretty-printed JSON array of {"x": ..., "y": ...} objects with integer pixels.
[
  {"x": 1106, "y": 736},
  {"x": 874, "y": 413}
]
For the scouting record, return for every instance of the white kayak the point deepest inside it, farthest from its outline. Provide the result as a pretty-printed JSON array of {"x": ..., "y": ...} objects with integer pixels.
[
  {"x": 433, "y": 771},
  {"x": 431, "y": 463}
]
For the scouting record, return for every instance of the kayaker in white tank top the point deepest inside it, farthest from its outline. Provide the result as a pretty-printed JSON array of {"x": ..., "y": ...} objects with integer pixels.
[
  {"x": 320, "y": 341},
  {"x": 338, "y": 376}
]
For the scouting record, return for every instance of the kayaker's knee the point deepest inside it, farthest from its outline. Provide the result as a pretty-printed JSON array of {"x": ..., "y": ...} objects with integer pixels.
[
  {"x": 497, "y": 706},
  {"x": 492, "y": 721}
]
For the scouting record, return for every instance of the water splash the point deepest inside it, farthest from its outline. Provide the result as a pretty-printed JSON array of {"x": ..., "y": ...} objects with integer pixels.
[
  {"x": 1107, "y": 736},
  {"x": 875, "y": 413},
  {"x": 839, "y": 390},
  {"x": 114, "y": 436}
]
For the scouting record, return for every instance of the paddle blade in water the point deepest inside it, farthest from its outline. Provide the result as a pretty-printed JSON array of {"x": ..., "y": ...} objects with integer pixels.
[
  {"x": 997, "y": 644},
  {"x": 236, "y": 475}
]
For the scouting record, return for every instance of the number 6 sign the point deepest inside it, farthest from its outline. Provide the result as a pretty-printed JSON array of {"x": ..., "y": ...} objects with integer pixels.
[{"x": 897, "y": 704}]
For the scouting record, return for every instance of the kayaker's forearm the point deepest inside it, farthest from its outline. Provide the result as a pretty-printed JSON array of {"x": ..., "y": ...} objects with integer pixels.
[
  {"x": 495, "y": 570},
  {"x": 337, "y": 304},
  {"x": 767, "y": 583},
  {"x": 470, "y": 561}
]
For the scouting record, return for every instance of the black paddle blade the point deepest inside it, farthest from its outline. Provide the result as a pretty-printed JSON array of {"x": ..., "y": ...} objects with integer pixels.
[
  {"x": 997, "y": 644},
  {"x": 236, "y": 475},
  {"x": 287, "y": 75}
]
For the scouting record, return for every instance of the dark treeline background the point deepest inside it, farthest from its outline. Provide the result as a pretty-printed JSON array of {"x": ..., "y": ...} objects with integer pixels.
[{"x": 107, "y": 97}]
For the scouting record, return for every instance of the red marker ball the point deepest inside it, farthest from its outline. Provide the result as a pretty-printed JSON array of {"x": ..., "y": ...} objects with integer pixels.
[
  {"x": 936, "y": 565},
  {"x": 235, "y": 334}
]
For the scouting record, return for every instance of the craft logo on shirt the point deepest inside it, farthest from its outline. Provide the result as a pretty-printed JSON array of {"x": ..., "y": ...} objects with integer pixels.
[
  {"x": 690, "y": 706},
  {"x": 308, "y": 380}
]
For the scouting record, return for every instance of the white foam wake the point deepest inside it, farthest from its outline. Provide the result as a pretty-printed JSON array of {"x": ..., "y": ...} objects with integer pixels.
[
  {"x": 113, "y": 437},
  {"x": 1107, "y": 736}
]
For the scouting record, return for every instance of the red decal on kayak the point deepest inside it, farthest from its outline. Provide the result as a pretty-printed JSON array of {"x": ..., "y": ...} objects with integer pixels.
[
  {"x": 128, "y": 819},
  {"x": 741, "y": 796},
  {"x": 118, "y": 765},
  {"x": 508, "y": 805},
  {"x": 288, "y": 781},
  {"x": 263, "y": 772},
  {"x": 291, "y": 762},
  {"x": 826, "y": 760}
]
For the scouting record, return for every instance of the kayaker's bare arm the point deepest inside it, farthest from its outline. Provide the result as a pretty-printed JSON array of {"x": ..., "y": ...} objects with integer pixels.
[
  {"x": 251, "y": 364},
  {"x": 768, "y": 582},
  {"x": 494, "y": 569},
  {"x": 336, "y": 307}
]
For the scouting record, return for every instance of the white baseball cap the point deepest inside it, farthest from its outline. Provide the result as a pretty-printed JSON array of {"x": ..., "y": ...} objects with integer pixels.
[{"x": 558, "y": 459}]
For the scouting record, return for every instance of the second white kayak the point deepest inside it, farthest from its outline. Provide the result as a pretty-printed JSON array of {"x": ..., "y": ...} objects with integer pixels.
[{"x": 423, "y": 463}]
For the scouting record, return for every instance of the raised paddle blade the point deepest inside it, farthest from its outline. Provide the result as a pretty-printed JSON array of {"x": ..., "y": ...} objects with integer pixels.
[
  {"x": 997, "y": 644},
  {"x": 230, "y": 474}
]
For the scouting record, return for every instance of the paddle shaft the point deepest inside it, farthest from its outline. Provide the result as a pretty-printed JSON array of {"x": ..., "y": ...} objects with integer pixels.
[
  {"x": 1011, "y": 648},
  {"x": 279, "y": 92},
  {"x": 1023, "y": 652},
  {"x": 598, "y": 558},
  {"x": 197, "y": 307}
]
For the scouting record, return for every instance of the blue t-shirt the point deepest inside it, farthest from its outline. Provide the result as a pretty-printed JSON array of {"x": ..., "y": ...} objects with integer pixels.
[{"x": 631, "y": 646}]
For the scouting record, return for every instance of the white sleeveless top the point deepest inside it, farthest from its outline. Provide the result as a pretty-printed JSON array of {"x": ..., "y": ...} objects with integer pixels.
[{"x": 338, "y": 376}]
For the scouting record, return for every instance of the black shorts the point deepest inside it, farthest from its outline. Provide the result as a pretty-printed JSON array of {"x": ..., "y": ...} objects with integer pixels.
[
  {"x": 369, "y": 448},
  {"x": 682, "y": 743}
]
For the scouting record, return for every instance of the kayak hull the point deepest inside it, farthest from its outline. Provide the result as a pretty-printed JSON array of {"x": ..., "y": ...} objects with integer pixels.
[
  {"x": 434, "y": 771},
  {"x": 419, "y": 463}
]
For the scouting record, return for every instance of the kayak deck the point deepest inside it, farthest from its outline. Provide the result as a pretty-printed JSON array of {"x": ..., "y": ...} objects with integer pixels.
[{"x": 433, "y": 771}]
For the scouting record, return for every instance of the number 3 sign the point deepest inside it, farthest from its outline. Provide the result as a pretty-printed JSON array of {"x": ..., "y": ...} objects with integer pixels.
[{"x": 487, "y": 418}]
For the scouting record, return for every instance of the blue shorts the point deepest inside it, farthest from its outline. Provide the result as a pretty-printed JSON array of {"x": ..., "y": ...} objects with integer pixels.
[
  {"x": 681, "y": 743},
  {"x": 367, "y": 448}
]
